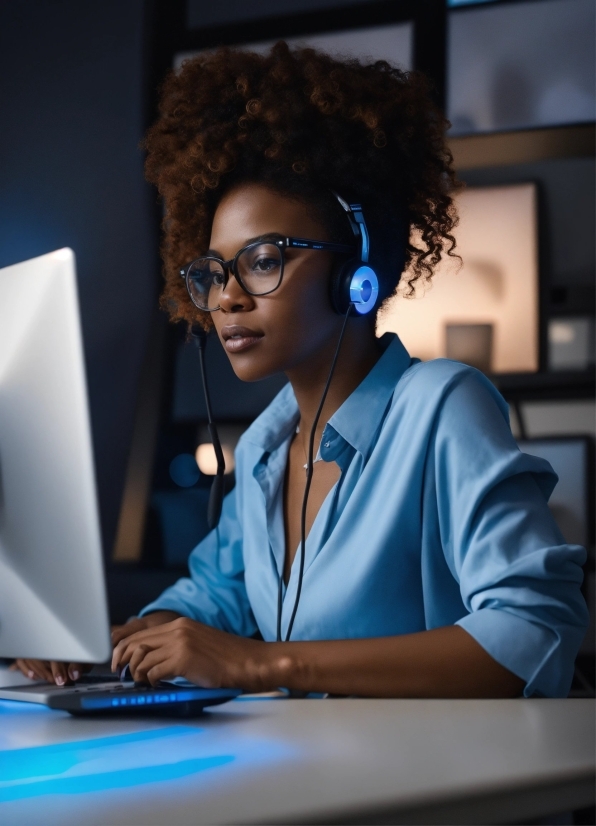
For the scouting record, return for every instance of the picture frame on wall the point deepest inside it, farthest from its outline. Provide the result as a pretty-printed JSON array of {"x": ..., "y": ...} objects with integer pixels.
[{"x": 482, "y": 304}]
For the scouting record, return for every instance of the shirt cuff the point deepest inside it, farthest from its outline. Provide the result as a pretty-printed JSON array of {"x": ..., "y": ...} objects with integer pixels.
[
  {"x": 521, "y": 646},
  {"x": 163, "y": 603}
]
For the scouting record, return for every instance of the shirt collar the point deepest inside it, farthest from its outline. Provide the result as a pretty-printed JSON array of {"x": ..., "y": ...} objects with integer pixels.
[
  {"x": 358, "y": 420},
  {"x": 276, "y": 422},
  {"x": 270, "y": 430}
]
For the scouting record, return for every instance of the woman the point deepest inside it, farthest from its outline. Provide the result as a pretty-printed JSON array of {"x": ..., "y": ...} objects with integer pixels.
[{"x": 431, "y": 565}]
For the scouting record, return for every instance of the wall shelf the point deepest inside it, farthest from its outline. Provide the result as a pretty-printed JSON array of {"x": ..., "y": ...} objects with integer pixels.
[
  {"x": 546, "y": 386},
  {"x": 523, "y": 146}
]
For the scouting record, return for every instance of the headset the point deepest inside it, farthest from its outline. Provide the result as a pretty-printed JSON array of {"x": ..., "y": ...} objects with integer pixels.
[
  {"x": 354, "y": 291},
  {"x": 355, "y": 282}
]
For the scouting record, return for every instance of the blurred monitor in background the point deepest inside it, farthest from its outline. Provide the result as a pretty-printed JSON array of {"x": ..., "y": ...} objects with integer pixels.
[
  {"x": 570, "y": 503},
  {"x": 391, "y": 42},
  {"x": 521, "y": 65},
  {"x": 571, "y": 343}
]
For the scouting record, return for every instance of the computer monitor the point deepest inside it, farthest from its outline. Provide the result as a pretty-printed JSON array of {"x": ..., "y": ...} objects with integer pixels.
[
  {"x": 52, "y": 590},
  {"x": 571, "y": 501}
]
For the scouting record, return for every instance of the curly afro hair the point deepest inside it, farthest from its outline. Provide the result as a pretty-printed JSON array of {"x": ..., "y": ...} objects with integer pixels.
[{"x": 303, "y": 123}]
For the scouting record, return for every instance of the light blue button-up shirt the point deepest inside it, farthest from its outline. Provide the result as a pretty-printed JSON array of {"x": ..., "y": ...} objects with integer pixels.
[{"x": 437, "y": 519}]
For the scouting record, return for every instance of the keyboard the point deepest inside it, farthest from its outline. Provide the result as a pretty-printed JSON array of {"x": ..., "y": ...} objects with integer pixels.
[{"x": 103, "y": 694}]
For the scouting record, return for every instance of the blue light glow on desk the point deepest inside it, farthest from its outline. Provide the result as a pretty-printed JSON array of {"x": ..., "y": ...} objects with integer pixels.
[
  {"x": 292, "y": 761},
  {"x": 12, "y": 707},
  {"x": 88, "y": 765},
  {"x": 52, "y": 763}
]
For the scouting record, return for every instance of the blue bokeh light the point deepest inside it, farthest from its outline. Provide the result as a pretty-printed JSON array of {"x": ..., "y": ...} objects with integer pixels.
[{"x": 184, "y": 470}]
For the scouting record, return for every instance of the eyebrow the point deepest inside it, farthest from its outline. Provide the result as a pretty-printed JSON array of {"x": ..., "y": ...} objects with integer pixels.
[{"x": 268, "y": 236}]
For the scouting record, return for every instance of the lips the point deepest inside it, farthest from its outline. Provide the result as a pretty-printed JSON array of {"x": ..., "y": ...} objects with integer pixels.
[{"x": 237, "y": 338}]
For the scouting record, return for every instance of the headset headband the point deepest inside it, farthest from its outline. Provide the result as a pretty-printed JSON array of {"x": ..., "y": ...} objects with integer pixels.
[{"x": 358, "y": 224}]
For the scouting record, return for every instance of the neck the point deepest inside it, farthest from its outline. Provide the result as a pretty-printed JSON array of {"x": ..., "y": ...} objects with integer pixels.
[{"x": 358, "y": 354}]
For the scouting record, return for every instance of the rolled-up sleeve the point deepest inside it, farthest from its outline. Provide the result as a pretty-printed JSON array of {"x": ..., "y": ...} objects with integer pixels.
[
  {"x": 215, "y": 592},
  {"x": 518, "y": 579}
]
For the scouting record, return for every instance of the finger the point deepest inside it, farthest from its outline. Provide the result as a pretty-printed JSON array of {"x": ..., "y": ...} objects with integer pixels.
[
  {"x": 38, "y": 670},
  {"x": 30, "y": 669},
  {"x": 138, "y": 656},
  {"x": 122, "y": 654},
  {"x": 43, "y": 668},
  {"x": 128, "y": 649},
  {"x": 117, "y": 633},
  {"x": 153, "y": 637},
  {"x": 76, "y": 669},
  {"x": 60, "y": 673},
  {"x": 120, "y": 632},
  {"x": 156, "y": 670},
  {"x": 117, "y": 656},
  {"x": 21, "y": 665}
]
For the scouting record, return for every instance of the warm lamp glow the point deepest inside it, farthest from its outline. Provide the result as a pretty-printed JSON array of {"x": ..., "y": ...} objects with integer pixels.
[
  {"x": 496, "y": 286},
  {"x": 207, "y": 461}
]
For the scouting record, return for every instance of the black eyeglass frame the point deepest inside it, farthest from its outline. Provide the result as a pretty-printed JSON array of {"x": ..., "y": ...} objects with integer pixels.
[{"x": 282, "y": 243}]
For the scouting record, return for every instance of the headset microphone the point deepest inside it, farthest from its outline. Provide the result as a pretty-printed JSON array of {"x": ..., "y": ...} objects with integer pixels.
[{"x": 217, "y": 488}]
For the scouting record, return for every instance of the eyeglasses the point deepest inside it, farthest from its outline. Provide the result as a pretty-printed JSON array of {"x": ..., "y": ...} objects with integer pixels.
[{"x": 258, "y": 268}]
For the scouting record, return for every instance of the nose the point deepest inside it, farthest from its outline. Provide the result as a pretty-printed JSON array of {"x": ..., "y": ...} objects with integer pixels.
[{"x": 233, "y": 298}]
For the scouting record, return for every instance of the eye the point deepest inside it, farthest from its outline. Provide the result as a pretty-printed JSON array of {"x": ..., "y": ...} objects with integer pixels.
[
  {"x": 265, "y": 264},
  {"x": 206, "y": 272}
]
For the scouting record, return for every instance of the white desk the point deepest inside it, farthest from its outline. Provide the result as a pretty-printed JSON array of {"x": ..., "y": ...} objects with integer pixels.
[{"x": 348, "y": 761}]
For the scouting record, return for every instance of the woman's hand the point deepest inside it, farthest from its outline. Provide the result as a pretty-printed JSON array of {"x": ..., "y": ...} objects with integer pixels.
[
  {"x": 52, "y": 672},
  {"x": 203, "y": 655},
  {"x": 443, "y": 662},
  {"x": 62, "y": 673},
  {"x": 119, "y": 632}
]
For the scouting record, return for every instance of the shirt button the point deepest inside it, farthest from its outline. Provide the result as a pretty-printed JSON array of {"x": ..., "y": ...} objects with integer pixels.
[{"x": 327, "y": 444}]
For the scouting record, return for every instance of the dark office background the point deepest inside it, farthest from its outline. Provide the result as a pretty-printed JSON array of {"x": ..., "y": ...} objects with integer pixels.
[{"x": 77, "y": 90}]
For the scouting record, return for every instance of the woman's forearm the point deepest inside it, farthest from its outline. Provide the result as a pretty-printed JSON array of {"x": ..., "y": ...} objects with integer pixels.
[{"x": 444, "y": 662}]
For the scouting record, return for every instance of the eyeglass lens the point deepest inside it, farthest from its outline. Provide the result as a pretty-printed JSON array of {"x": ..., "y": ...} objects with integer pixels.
[{"x": 259, "y": 268}]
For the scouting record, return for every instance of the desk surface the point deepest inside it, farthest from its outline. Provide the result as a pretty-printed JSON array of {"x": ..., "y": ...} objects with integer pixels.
[{"x": 350, "y": 760}]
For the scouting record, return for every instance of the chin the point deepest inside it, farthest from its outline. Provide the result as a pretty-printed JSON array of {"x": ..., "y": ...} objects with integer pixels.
[{"x": 251, "y": 369}]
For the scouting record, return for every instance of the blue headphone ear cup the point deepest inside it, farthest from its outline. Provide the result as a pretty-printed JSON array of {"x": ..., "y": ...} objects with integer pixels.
[
  {"x": 364, "y": 289},
  {"x": 357, "y": 283}
]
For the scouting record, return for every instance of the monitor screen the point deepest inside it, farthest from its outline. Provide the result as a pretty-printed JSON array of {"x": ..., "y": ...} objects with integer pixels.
[
  {"x": 520, "y": 65},
  {"x": 393, "y": 42},
  {"x": 569, "y": 502},
  {"x": 52, "y": 594}
]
